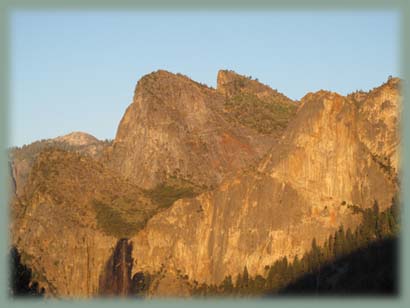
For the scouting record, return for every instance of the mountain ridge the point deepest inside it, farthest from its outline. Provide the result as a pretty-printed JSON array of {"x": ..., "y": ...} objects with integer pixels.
[
  {"x": 222, "y": 186},
  {"x": 174, "y": 114}
]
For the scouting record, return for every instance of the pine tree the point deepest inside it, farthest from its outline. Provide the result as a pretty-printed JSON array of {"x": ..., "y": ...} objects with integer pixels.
[
  {"x": 227, "y": 285},
  {"x": 331, "y": 244},
  {"x": 376, "y": 223},
  {"x": 339, "y": 242},
  {"x": 350, "y": 246},
  {"x": 296, "y": 267},
  {"x": 245, "y": 279},
  {"x": 238, "y": 284},
  {"x": 315, "y": 256},
  {"x": 259, "y": 283},
  {"x": 394, "y": 215}
]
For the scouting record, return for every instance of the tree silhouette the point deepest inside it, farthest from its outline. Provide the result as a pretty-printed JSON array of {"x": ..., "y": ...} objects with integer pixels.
[{"x": 22, "y": 283}]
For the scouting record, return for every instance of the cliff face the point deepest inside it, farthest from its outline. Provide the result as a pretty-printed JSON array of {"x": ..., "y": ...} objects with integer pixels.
[
  {"x": 273, "y": 176},
  {"x": 70, "y": 218},
  {"x": 70, "y": 209},
  {"x": 380, "y": 113},
  {"x": 302, "y": 189},
  {"x": 176, "y": 127}
]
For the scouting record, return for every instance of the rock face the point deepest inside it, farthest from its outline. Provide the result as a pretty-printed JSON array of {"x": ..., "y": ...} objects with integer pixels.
[
  {"x": 230, "y": 84},
  {"x": 301, "y": 190},
  {"x": 67, "y": 223},
  {"x": 77, "y": 139},
  {"x": 380, "y": 112},
  {"x": 70, "y": 210},
  {"x": 274, "y": 174},
  {"x": 176, "y": 127}
]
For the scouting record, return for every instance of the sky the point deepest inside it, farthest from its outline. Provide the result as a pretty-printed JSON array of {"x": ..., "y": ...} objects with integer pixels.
[{"x": 77, "y": 71}]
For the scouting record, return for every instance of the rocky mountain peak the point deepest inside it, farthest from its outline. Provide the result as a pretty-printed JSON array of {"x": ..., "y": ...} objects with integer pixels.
[
  {"x": 319, "y": 97},
  {"x": 230, "y": 83},
  {"x": 325, "y": 159},
  {"x": 77, "y": 139},
  {"x": 320, "y": 94},
  {"x": 181, "y": 127},
  {"x": 163, "y": 84},
  {"x": 200, "y": 182},
  {"x": 379, "y": 112},
  {"x": 393, "y": 81}
]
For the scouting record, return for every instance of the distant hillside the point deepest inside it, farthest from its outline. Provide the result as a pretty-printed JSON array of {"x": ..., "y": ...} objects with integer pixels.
[{"x": 22, "y": 158}]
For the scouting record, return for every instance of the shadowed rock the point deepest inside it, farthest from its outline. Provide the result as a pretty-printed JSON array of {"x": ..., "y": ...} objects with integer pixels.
[{"x": 116, "y": 278}]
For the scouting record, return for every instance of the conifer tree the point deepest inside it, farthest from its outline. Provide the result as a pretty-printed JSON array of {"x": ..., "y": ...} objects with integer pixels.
[
  {"x": 349, "y": 241},
  {"x": 375, "y": 225},
  {"x": 339, "y": 242},
  {"x": 227, "y": 285},
  {"x": 245, "y": 278},
  {"x": 315, "y": 255},
  {"x": 238, "y": 284}
]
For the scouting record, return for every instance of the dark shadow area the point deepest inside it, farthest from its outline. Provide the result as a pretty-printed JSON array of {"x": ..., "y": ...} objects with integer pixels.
[
  {"x": 21, "y": 280},
  {"x": 368, "y": 271},
  {"x": 140, "y": 284},
  {"x": 116, "y": 278},
  {"x": 363, "y": 261}
]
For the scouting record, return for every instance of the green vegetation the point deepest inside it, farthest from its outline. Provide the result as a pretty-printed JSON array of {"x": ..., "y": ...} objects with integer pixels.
[
  {"x": 75, "y": 180},
  {"x": 29, "y": 152},
  {"x": 124, "y": 215},
  {"x": 112, "y": 222},
  {"x": 361, "y": 250},
  {"x": 165, "y": 194},
  {"x": 265, "y": 116}
]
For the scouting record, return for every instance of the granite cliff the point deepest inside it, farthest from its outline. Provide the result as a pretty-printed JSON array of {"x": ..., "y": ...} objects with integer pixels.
[
  {"x": 177, "y": 128},
  {"x": 68, "y": 221},
  {"x": 200, "y": 182},
  {"x": 303, "y": 189}
]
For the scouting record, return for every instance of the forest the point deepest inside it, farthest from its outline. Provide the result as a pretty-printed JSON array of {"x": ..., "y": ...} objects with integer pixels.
[{"x": 361, "y": 261}]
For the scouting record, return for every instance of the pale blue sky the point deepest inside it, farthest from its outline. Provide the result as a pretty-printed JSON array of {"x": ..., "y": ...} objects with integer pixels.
[{"x": 76, "y": 71}]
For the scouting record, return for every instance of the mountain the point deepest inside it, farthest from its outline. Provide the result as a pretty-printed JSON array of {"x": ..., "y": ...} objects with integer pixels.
[
  {"x": 77, "y": 173},
  {"x": 77, "y": 139},
  {"x": 68, "y": 221},
  {"x": 380, "y": 111},
  {"x": 231, "y": 84},
  {"x": 199, "y": 183},
  {"x": 22, "y": 158},
  {"x": 177, "y": 128},
  {"x": 305, "y": 188},
  {"x": 254, "y": 104}
]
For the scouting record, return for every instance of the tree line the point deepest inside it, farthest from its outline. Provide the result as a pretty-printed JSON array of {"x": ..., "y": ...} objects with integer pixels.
[{"x": 376, "y": 226}]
